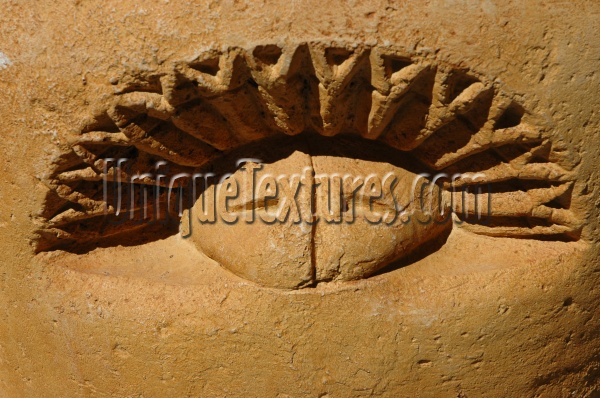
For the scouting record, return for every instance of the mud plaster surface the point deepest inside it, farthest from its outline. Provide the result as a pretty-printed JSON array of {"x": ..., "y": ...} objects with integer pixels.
[{"x": 480, "y": 316}]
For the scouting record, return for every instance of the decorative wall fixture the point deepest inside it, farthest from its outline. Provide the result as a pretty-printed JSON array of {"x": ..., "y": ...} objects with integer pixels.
[{"x": 448, "y": 119}]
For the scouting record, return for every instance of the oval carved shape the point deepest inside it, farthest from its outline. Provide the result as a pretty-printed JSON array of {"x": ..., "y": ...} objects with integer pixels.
[
  {"x": 190, "y": 116},
  {"x": 337, "y": 210}
]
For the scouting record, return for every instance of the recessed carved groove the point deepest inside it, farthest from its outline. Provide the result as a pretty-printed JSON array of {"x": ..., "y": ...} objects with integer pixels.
[
  {"x": 452, "y": 120},
  {"x": 268, "y": 55},
  {"x": 209, "y": 66}
]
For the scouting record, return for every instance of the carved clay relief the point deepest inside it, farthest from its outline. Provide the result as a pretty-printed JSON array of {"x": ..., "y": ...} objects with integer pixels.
[{"x": 316, "y": 105}]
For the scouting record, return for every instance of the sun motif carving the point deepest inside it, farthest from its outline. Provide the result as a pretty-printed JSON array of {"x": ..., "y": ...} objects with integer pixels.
[{"x": 451, "y": 119}]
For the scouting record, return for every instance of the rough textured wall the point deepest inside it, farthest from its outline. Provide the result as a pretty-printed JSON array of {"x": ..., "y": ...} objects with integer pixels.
[{"x": 480, "y": 315}]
